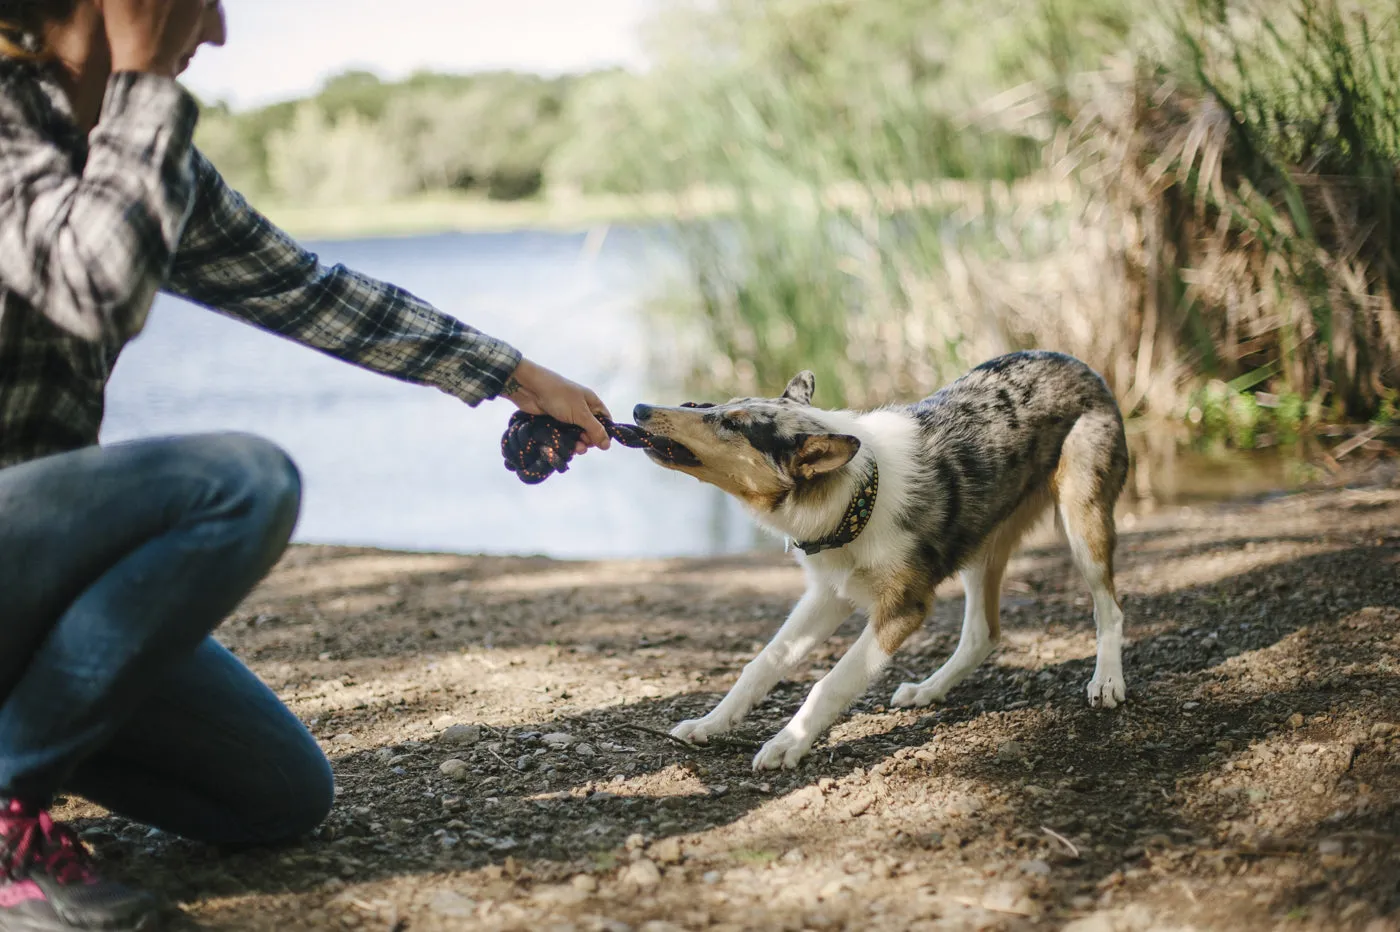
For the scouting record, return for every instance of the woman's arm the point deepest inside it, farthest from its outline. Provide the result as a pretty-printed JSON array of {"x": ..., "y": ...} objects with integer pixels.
[
  {"x": 88, "y": 249},
  {"x": 233, "y": 260}
]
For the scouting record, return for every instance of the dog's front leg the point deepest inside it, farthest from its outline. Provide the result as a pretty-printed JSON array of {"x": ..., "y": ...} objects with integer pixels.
[
  {"x": 890, "y": 625},
  {"x": 817, "y": 614}
]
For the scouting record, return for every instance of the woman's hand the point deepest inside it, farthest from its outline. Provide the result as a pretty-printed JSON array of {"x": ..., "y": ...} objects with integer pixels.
[
  {"x": 537, "y": 390},
  {"x": 154, "y": 36}
]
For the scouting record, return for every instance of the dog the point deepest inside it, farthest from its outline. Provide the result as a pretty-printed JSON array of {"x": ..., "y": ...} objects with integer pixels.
[{"x": 886, "y": 504}]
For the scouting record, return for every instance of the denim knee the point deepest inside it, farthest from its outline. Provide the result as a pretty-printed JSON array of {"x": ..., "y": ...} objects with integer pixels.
[{"x": 251, "y": 477}]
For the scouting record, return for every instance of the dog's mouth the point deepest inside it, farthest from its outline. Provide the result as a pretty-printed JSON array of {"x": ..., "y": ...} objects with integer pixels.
[{"x": 668, "y": 452}]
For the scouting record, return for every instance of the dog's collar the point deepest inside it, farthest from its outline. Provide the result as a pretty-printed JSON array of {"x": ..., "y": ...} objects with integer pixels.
[{"x": 855, "y": 519}]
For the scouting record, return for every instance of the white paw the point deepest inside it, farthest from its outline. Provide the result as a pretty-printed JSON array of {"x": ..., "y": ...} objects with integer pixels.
[
  {"x": 911, "y": 695},
  {"x": 1107, "y": 690},
  {"x": 701, "y": 730},
  {"x": 782, "y": 752}
]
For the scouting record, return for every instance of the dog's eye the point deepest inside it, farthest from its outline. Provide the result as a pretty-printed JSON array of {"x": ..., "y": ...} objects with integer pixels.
[{"x": 733, "y": 422}]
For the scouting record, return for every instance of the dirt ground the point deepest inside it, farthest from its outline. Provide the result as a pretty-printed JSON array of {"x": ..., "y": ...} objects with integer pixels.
[{"x": 1251, "y": 782}]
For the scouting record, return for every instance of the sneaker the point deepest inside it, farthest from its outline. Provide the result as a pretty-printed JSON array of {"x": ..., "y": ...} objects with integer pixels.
[{"x": 48, "y": 882}]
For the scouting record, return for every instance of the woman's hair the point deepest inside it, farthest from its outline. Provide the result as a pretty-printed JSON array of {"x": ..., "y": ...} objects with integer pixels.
[{"x": 21, "y": 26}]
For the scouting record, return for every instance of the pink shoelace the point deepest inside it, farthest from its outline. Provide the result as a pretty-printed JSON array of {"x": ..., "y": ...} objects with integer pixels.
[{"x": 34, "y": 839}]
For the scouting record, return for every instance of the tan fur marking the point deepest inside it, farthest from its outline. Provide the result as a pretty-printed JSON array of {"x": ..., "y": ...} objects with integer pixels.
[
  {"x": 1074, "y": 488},
  {"x": 999, "y": 547},
  {"x": 903, "y": 596},
  {"x": 730, "y": 464}
]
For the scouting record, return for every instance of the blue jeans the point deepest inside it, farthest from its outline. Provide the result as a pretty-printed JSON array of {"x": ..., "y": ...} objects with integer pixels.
[{"x": 116, "y": 563}]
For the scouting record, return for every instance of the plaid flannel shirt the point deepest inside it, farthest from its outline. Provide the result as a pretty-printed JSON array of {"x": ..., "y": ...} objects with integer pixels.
[{"x": 91, "y": 229}]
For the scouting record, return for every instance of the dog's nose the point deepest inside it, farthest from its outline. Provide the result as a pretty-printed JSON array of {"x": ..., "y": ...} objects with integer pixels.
[{"x": 641, "y": 413}]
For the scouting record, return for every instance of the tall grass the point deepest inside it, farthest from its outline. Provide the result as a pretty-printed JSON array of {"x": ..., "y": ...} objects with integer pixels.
[{"x": 1213, "y": 216}]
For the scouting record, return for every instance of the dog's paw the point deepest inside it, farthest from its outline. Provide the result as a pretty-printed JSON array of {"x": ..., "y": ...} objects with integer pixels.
[
  {"x": 1107, "y": 690},
  {"x": 782, "y": 752},
  {"x": 912, "y": 695},
  {"x": 701, "y": 730}
]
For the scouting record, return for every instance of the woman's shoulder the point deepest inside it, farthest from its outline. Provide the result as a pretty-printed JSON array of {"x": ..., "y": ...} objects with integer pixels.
[{"x": 27, "y": 101}]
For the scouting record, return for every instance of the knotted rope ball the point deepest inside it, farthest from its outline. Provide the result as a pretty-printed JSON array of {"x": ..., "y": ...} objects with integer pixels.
[{"x": 536, "y": 446}]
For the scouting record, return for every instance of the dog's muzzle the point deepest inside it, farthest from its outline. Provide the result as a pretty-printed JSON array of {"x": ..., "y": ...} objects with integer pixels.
[{"x": 661, "y": 448}]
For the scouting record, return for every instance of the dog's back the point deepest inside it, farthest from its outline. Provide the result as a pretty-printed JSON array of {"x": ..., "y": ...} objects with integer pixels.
[{"x": 1005, "y": 437}]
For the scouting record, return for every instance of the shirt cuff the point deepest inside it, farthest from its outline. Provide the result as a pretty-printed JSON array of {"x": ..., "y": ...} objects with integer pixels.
[
  {"x": 480, "y": 372},
  {"x": 152, "y": 103}
]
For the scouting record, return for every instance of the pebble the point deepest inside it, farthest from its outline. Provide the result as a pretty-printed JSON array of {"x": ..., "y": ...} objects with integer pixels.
[
  {"x": 585, "y": 750},
  {"x": 585, "y": 883},
  {"x": 344, "y": 739},
  {"x": 660, "y": 925},
  {"x": 1295, "y": 720},
  {"x": 559, "y": 739},
  {"x": 643, "y": 873},
  {"x": 1331, "y": 846},
  {"x": 666, "y": 851},
  {"x": 454, "y": 768},
  {"x": 385, "y": 755},
  {"x": 452, "y": 905},
  {"x": 462, "y": 735},
  {"x": 1036, "y": 867},
  {"x": 711, "y": 877},
  {"x": 1011, "y": 751}
]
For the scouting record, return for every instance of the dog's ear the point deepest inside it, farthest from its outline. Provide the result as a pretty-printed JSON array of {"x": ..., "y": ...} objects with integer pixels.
[
  {"x": 819, "y": 454},
  {"x": 801, "y": 387}
]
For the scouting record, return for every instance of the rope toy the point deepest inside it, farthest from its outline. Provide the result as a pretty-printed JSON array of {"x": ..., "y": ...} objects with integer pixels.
[{"x": 536, "y": 446}]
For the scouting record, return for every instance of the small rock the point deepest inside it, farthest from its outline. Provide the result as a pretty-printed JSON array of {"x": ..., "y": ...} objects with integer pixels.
[
  {"x": 558, "y": 739},
  {"x": 1009, "y": 897},
  {"x": 1189, "y": 706},
  {"x": 643, "y": 873},
  {"x": 1011, "y": 751},
  {"x": 454, "y": 768},
  {"x": 711, "y": 877},
  {"x": 462, "y": 735},
  {"x": 1332, "y": 846},
  {"x": 386, "y": 755},
  {"x": 344, "y": 739},
  {"x": 1295, "y": 720},
  {"x": 666, "y": 851},
  {"x": 1036, "y": 868},
  {"x": 450, "y": 803},
  {"x": 585, "y": 750},
  {"x": 1382, "y": 729},
  {"x": 825, "y": 784},
  {"x": 634, "y": 842},
  {"x": 612, "y": 925},
  {"x": 585, "y": 883},
  {"x": 660, "y": 925},
  {"x": 453, "y": 905}
]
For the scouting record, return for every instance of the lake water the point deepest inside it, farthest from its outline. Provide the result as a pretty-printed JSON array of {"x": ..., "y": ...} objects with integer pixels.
[{"x": 395, "y": 465}]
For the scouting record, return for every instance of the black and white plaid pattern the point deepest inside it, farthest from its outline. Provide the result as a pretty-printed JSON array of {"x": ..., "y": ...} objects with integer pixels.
[{"x": 91, "y": 229}]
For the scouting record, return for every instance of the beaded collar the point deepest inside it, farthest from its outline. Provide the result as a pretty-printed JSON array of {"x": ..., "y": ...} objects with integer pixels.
[{"x": 855, "y": 519}]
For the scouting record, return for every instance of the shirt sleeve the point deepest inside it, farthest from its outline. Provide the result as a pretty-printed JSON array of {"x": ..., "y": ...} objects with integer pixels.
[
  {"x": 87, "y": 245},
  {"x": 234, "y": 260}
]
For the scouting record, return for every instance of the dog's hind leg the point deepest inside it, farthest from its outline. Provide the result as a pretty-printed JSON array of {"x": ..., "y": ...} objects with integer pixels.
[
  {"x": 817, "y": 614},
  {"x": 1093, "y": 467}
]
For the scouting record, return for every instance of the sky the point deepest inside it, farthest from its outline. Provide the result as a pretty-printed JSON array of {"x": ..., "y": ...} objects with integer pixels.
[{"x": 279, "y": 49}]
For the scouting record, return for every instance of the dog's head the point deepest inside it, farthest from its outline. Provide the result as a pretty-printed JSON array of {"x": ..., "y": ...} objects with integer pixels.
[{"x": 760, "y": 450}]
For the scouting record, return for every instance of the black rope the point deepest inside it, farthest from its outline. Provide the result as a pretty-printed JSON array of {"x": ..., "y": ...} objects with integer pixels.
[{"x": 536, "y": 446}]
